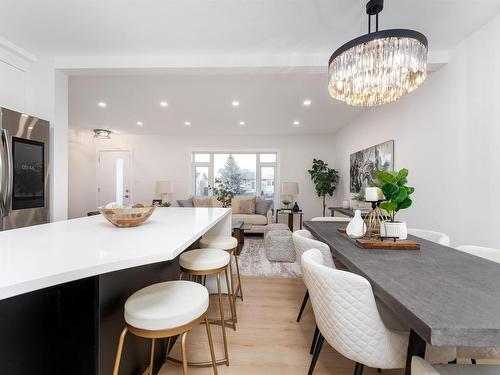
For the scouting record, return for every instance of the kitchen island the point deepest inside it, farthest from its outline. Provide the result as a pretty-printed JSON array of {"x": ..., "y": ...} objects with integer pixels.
[{"x": 63, "y": 286}]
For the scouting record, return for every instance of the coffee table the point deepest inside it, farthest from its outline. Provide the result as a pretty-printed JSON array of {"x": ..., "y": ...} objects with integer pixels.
[{"x": 239, "y": 234}]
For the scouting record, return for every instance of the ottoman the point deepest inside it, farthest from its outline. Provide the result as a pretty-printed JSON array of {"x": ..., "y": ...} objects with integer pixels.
[
  {"x": 271, "y": 227},
  {"x": 278, "y": 245}
]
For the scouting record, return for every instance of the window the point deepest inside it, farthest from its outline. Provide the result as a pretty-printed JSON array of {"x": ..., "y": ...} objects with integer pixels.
[{"x": 247, "y": 173}]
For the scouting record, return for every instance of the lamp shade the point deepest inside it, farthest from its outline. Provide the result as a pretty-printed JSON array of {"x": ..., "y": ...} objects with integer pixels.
[
  {"x": 290, "y": 188},
  {"x": 163, "y": 187}
]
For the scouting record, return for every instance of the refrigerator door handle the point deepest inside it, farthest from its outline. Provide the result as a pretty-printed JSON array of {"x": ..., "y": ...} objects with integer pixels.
[
  {"x": 3, "y": 186},
  {"x": 8, "y": 177}
]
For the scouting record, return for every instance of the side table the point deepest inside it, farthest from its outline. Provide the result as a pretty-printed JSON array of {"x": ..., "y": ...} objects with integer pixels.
[{"x": 290, "y": 214}]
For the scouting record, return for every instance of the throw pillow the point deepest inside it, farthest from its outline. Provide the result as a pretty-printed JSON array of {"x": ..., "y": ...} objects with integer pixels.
[
  {"x": 247, "y": 206},
  {"x": 262, "y": 206},
  {"x": 185, "y": 202},
  {"x": 202, "y": 202}
]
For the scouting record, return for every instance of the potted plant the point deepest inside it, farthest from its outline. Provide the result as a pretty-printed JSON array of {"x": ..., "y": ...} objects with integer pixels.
[
  {"x": 325, "y": 180},
  {"x": 286, "y": 203},
  {"x": 224, "y": 193},
  {"x": 397, "y": 197}
]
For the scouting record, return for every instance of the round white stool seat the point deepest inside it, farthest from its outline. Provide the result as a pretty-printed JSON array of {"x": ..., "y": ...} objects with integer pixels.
[
  {"x": 204, "y": 259},
  {"x": 219, "y": 242},
  {"x": 166, "y": 305}
]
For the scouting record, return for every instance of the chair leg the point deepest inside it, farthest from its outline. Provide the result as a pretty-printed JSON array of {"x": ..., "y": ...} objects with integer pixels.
[
  {"x": 358, "y": 369},
  {"x": 167, "y": 348},
  {"x": 315, "y": 338},
  {"x": 222, "y": 322},
  {"x": 119, "y": 351},
  {"x": 184, "y": 354},
  {"x": 231, "y": 302},
  {"x": 238, "y": 275},
  {"x": 211, "y": 345},
  {"x": 152, "y": 359},
  {"x": 317, "y": 350},
  {"x": 304, "y": 301}
]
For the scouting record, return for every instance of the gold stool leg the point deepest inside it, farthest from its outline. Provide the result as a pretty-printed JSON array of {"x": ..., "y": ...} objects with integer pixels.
[
  {"x": 231, "y": 302},
  {"x": 151, "y": 361},
  {"x": 167, "y": 348},
  {"x": 222, "y": 322},
  {"x": 119, "y": 351},
  {"x": 184, "y": 354},
  {"x": 239, "y": 278},
  {"x": 211, "y": 345}
]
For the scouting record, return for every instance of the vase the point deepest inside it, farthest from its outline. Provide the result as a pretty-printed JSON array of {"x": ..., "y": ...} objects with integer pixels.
[
  {"x": 296, "y": 207},
  {"x": 356, "y": 227},
  {"x": 394, "y": 229}
]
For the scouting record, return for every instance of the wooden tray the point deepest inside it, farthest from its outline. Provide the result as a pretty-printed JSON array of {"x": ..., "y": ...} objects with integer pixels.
[{"x": 388, "y": 244}]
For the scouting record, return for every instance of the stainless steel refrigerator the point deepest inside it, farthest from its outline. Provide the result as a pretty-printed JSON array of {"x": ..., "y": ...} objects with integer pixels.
[{"x": 24, "y": 170}]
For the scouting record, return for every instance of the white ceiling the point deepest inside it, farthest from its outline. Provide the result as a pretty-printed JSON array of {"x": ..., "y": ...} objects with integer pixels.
[
  {"x": 87, "y": 33},
  {"x": 165, "y": 27},
  {"x": 269, "y": 103}
]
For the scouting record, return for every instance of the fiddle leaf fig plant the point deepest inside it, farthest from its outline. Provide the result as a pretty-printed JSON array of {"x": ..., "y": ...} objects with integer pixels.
[
  {"x": 325, "y": 180},
  {"x": 397, "y": 194},
  {"x": 224, "y": 193}
]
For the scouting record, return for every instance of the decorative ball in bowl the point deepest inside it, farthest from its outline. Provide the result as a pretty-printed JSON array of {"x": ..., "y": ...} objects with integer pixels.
[{"x": 126, "y": 217}]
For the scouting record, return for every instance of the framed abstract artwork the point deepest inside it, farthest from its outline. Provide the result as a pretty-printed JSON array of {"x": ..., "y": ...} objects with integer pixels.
[{"x": 364, "y": 163}]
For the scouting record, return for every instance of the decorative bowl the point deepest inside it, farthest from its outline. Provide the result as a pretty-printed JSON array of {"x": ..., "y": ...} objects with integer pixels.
[{"x": 127, "y": 217}]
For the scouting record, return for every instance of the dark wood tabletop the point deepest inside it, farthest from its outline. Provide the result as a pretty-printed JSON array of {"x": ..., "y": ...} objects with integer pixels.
[{"x": 446, "y": 296}]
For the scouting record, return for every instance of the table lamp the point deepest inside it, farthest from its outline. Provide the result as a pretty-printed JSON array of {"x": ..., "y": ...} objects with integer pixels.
[
  {"x": 163, "y": 188},
  {"x": 290, "y": 188}
]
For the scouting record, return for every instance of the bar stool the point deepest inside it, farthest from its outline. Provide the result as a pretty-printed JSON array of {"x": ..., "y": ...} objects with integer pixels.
[
  {"x": 229, "y": 244},
  {"x": 165, "y": 310},
  {"x": 208, "y": 262}
]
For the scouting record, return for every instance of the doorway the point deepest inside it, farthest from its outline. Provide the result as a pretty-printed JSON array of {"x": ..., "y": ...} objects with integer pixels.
[{"x": 113, "y": 177}]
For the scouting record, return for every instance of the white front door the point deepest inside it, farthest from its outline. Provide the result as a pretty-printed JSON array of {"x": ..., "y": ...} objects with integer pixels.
[{"x": 113, "y": 177}]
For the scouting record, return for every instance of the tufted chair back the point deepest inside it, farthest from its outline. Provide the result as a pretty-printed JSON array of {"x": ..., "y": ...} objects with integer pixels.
[
  {"x": 483, "y": 252},
  {"x": 430, "y": 235},
  {"x": 347, "y": 316},
  {"x": 303, "y": 240}
]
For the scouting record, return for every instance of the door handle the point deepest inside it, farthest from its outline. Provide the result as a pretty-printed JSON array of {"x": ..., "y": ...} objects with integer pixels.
[
  {"x": 10, "y": 177},
  {"x": 3, "y": 187}
]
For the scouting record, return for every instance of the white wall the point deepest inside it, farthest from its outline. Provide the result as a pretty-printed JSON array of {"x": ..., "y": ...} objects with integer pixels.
[
  {"x": 34, "y": 87},
  {"x": 168, "y": 158},
  {"x": 447, "y": 133}
]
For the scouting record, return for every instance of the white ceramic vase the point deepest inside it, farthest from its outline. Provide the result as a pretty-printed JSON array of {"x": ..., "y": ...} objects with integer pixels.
[
  {"x": 396, "y": 229},
  {"x": 356, "y": 227}
]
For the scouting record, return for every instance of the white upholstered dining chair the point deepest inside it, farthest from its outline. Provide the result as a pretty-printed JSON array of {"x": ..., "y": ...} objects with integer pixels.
[
  {"x": 303, "y": 240},
  {"x": 336, "y": 219},
  {"x": 430, "y": 235},
  {"x": 421, "y": 367},
  {"x": 473, "y": 353},
  {"x": 347, "y": 317}
]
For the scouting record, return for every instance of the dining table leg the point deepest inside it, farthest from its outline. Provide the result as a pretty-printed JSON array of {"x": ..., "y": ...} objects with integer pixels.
[{"x": 416, "y": 347}]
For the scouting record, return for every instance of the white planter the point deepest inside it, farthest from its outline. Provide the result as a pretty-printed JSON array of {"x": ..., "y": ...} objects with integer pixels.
[{"x": 396, "y": 229}]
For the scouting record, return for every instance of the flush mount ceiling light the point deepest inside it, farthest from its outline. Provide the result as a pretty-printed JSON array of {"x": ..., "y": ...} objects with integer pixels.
[
  {"x": 242, "y": 123},
  {"x": 235, "y": 103},
  {"x": 139, "y": 123},
  {"x": 102, "y": 104},
  {"x": 307, "y": 103},
  {"x": 164, "y": 104},
  {"x": 379, "y": 67},
  {"x": 102, "y": 133},
  {"x": 296, "y": 123},
  {"x": 187, "y": 123}
]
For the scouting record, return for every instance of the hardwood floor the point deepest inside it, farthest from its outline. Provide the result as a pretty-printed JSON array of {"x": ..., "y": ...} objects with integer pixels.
[{"x": 268, "y": 340}]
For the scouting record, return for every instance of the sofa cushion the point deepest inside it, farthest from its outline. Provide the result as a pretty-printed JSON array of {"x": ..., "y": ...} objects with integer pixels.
[
  {"x": 202, "y": 201},
  {"x": 185, "y": 202},
  {"x": 247, "y": 206},
  {"x": 262, "y": 206},
  {"x": 250, "y": 219},
  {"x": 240, "y": 203}
]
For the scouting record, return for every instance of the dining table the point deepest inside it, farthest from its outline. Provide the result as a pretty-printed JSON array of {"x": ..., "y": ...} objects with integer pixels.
[{"x": 441, "y": 296}]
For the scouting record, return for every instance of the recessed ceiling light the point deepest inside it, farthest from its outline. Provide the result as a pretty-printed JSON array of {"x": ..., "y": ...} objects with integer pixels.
[
  {"x": 296, "y": 123},
  {"x": 307, "y": 103},
  {"x": 187, "y": 123},
  {"x": 242, "y": 123},
  {"x": 102, "y": 104},
  {"x": 140, "y": 123},
  {"x": 235, "y": 103},
  {"x": 164, "y": 104}
]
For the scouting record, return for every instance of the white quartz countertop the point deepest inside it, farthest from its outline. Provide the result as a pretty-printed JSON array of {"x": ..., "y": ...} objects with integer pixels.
[{"x": 44, "y": 255}]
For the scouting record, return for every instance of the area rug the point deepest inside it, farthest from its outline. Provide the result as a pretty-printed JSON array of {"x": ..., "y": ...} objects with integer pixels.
[{"x": 253, "y": 262}]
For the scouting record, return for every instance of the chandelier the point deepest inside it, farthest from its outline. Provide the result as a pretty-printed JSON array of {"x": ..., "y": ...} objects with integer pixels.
[{"x": 378, "y": 67}]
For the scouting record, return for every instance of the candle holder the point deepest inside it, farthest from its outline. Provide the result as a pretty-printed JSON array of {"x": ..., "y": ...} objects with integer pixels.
[{"x": 373, "y": 220}]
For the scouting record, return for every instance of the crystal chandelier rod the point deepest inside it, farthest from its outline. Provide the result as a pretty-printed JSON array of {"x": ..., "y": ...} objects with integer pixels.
[{"x": 373, "y": 8}]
